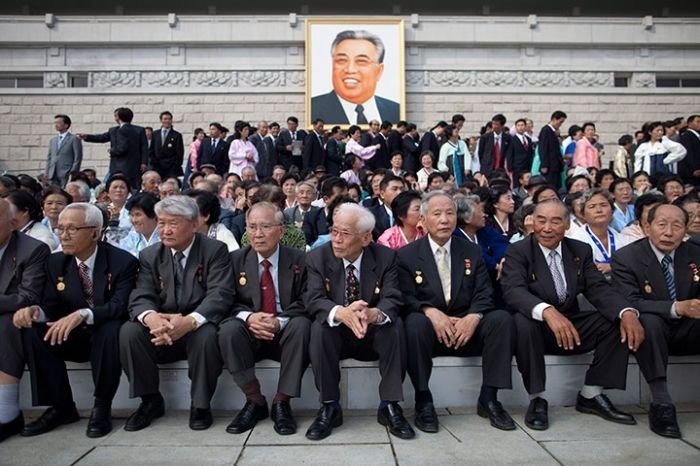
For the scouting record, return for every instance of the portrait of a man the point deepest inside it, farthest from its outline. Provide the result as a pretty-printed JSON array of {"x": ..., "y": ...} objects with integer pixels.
[{"x": 362, "y": 69}]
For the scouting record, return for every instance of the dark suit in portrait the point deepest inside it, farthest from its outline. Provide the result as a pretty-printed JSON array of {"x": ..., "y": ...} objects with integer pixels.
[
  {"x": 113, "y": 278},
  {"x": 313, "y": 154},
  {"x": 63, "y": 159},
  {"x": 549, "y": 149},
  {"x": 334, "y": 158},
  {"x": 129, "y": 152},
  {"x": 411, "y": 153},
  {"x": 214, "y": 153},
  {"x": 207, "y": 289},
  {"x": 520, "y": 156},
  {"x": 285, "y": 156},
  {"x": 328, "y": 108},
  {"x": 165, "y": 155},
  {"x": 490, "y": 157}
]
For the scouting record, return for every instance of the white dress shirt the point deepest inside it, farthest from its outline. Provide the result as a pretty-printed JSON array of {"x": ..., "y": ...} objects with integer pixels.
[
  {"x": 660, "y": 257},
  {"x": 369, "y": 109}
]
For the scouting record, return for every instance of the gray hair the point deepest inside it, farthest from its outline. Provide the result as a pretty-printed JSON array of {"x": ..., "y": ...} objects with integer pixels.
[
  {"x": 248, "y": 169},
  {"x": 178, "y": 206},
  {"x": 365, "y": 219},
  {"x": 278, "y": 214},
  {"x": 564, "y": 208},
  {"x": 211, "y": 186},
  {"x": 360, "y": 35},
  {"x": 83, "y": 188},
  {"x": 149, "y": 174},
  {"x": 93, "y": 214},
  {"x": 596, "y": 192},
  {"x": 169, "y": 184},
  {"x": 466, "y": 204},
  {"x": 308, "y": 184},
  {"x": 433, "y": 194}
]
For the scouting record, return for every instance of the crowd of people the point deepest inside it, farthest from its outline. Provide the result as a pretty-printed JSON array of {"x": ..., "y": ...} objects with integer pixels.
[{"x": 312, "y": 247}]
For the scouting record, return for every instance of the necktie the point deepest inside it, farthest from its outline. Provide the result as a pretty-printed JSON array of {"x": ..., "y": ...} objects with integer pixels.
[
  {"x": 496, "y": 153},
  {"x": 668, "y": 276},
  {"x": 352, "y": 287},
  {"x": 267, "y": 290},
  {"x": 361, "y": 118},
  {"x": 87, "y": 283},
  {"x": 179, "y": 275},
  {"x": 444, "y": 271},
  {"x": 163, "y": 135},
  {"x": 213, "y": 145},
  {"x": 557, "y": 277},
  {"x": 60, "y": 140},
  {"x": 525, "y": 142}
]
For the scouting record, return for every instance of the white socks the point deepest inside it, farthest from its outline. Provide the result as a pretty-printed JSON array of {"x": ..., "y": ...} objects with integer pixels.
[
  {"x": 536, "y": 395},
  {"x": 591, "y": 391},
  {"x": 9, "y": 403}
]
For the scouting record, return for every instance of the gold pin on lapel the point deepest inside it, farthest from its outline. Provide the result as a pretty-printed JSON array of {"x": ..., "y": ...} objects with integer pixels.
[
  {"x": 467, "y": 267},
  {"x": 328, "y": 285},
  {"x": 419, "y": 278},
  {"x": 377, "y": 289},
  {"x": 647, "y": 287},
  {"x": 242, "y": 280},
  {"x": 60, "y": 286}
]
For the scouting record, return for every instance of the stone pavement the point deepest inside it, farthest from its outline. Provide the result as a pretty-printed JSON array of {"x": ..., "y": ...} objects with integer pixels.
[{"x": 464, "y": 438}]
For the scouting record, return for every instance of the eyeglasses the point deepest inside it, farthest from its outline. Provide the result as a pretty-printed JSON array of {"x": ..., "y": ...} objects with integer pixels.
[
  {"x": 342, "y": 233},
  {"x": 265, "y": 228},
  {"x": 71, "y": 230}
]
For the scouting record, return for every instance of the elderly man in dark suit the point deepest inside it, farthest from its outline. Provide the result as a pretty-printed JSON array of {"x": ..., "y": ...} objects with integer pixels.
[
  {"x": 269, "y": 322},
  {"x": 85, "y": 303},
  {"x": 167, "y": 148},
  {"x": 353, "y": 295},
  {"x": 65, "y": 153},
  {"x": 549, "y": 149},
  {"x": 660, "y": 276},
  {"x": 541, "y": 279},
  {"x": 449, "y": 310},
  {"x": 22, "y": 276},
  {"x": 184, "y": 289}
]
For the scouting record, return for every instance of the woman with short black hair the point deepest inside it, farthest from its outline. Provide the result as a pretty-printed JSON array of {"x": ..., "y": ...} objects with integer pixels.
[
  {"x": 28, "y": 216},
  {"x": 406, "y": 211}
]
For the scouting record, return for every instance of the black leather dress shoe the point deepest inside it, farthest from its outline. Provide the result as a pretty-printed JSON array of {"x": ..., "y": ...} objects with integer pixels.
[
  {"x": 49, "y": 420},
  {"x": 100, "y": 423},
  {"x": 603, "y": 407},
  {"x": 200, "y": 419},
  {"x": 499, "y": 417},
  {"x": 283, "y": 419},
  {"x": 392, "y": 416},
  {"x": 426, "y": 418},
  {"x": 148, "y": 412},
  {"x": 13, "y": 427},
  {"x": 536, "y": 417},
  {"x": 248, "y": 417},
  {"x": 328, "y": 417},
  {"x": 662, "y": 420}
]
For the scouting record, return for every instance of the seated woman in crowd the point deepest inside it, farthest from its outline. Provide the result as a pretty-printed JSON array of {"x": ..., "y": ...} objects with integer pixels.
[
  {"x": 143, "y": 232},
  {"x": 118, "y": 191},
  {"x": 406, "y": 210},
  {"x": 352, "y": 165},
  {"x": 500, "y": 207},
  {"x": 672, "y": 187},
  {"x": 426, "y": 162},
  {"x": 395, "y": 164},
  {"x": 644, "y": 203},
  {"x": 641, "y": 183},
  {"x": 53, "y": 201},
  {"x": 28, "y": 217},
  {"x": 209, "y": 213},
  {"x": 355, "y": 192},
  {"x": 604, "y": 178},
  {"x": 691, "y": 204},
  {"x": 573, "y": 202},
  {"x": 168, "y": 188},
  {"x": 524, "y": 222},
  {"x": 578, "y": 183},
  {"x": 621, "y": 189},
  {"x": 657, "y": 153},
  {"x": 289, "y": 188},
  {"x": 544, "y": 193}
]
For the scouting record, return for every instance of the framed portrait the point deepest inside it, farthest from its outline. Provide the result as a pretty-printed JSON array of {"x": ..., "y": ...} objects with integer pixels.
[{"x": 355, "y": 71}]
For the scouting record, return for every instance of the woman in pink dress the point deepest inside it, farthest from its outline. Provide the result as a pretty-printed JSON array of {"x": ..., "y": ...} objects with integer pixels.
[
  {"x": 354, "y": 147},
  {"x": 242, "y": 152},
  {"x": 406, "y": 210},
  {"x": 586, "y": 155}
]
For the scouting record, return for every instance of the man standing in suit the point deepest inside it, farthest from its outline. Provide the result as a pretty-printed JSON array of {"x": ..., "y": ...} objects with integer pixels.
[
  {"x": 431, "y": 141},
  {"x": 449, "y": 311},
  {"x": 390, "y": 187},
  {"x": 660, "y": 276},
  {"x": 65, "y": 153},
  {"x": 314, "y": 154},
  {"x": 521, "y": 154},
  {"x": 396, "y": 136},
  {"x": 290, "y": 153},
  {"x": 334, "y": 156},
  {"x": 269, "y": 321},
  {"x": 214, "y": 150},
  {"x": 109, "y": 136},
  {"x": 316, "y": 221},
  {"x": 411, "y": 148},
  {"x": 689, "y": 167},
  {"x": 184, "y": 289},
  {"x": 130, "y": 152},
  {"x": 357, "y": 66},
  {"x": 85, "y": 303},
  {"x": 353, "y": 296},
  {"x": 381, "y": 157},
  {"x": 495, "y": 146},
  {"x": 22, "y": 276},
  {"x": 266, "y": 156},
  {"x": 167, "y": 148},
  {"x": 368, "y": 136},
  {"x": 541, "y": 279},
  {"x": 549, "y": 149}
]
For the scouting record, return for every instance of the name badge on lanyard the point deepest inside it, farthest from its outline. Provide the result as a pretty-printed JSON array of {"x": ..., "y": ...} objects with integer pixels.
[{"x": 611, "y": 242}]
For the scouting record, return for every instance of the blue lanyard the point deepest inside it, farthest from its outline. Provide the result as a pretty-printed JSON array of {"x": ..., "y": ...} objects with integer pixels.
[{"x": 611, "y": 241}]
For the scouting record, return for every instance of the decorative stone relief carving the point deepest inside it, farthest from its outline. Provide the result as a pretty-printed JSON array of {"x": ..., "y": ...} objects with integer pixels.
[
  {"x": 416, "y": 78},
  {"x": 543, "y": 79},
  {"x": 116, "y": 79},
  {"x": 451, "y": 78},
  {"x": 643, "y": 80},
  {"x": 295, "y": 78},
  {"x": 591, "y": 79},
  {"x": 213, "y": 78},
  {"x": 55, "y": 80},
  {"x": 166, "y": 79},
  {"x": 261, "y": 78},
  {"x": 498, "y": 79}
]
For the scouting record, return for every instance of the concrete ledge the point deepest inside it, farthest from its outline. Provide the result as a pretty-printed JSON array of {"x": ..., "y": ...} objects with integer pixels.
[{"x": 455, "y": 383}]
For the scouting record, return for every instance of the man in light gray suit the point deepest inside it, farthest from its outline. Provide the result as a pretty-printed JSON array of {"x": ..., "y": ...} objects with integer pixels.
[{"x": 65, "y": 153}]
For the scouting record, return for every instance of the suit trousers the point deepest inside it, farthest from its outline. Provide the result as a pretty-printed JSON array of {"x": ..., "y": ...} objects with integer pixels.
[
  {"x": 140, "y": 359},
  {"x": 11, "y": 351},
  {"x": 240, "y": 350},
  {"x": 97, "y": 344},
  {"x": 598, "y": 334},
  {"x": 493, "y": 339},
  {"x": 554, "y": 179},
  {"x": 663, "y": 337},
  {"x": 384, "y": 342}
]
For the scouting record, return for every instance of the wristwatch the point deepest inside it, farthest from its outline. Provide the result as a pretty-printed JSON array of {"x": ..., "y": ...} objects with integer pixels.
[{"x": 381, "y": 317}]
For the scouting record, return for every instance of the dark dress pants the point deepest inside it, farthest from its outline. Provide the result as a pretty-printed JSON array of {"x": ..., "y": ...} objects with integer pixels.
[
  {"x": 11, "y": 351},
  {"x": 663, "y": 337}
]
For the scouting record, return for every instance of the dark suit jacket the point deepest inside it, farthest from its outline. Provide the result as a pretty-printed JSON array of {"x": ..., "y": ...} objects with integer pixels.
[
  {"x": 22, "y": 273},
  {"x": 109, "y": 136},
  {"x": 382, "y": 220},
  {"x": 313, "y": 154},
  {"x": 381, "y": 157},
  {"x": 550, "y": 150},
  {"x": 208, "y": 279},
  {"x": 411, "y": 153},
  {"x": 266, "y": 156},
  {"x": 395, "y": 141},
  {"x": 113, "y": 279},
  {"x": 129, "y": 152},
  {"x": 486, "y": 154},
  {"x": 334, "y": 159},
  {"x": 637, "y": 274},
  {"x": 527, "y": 281},
  {"x": 470, "y": 294},
  {"x": 62, "y": 161},
  {"x": 519, "y": 157},
  {"x": 691, "y": 162},
  {"x": 430, "y": 142},
  {"x": 218, "y": 158},
  {"x": 315, "y": 224},
  {"x": 166, "y": 158},
  {"x": 379, "y": 284},
  {"x": 366, "y": 139},
  {"x": 284, "y": 139},
  {"x": 291, "y": 281},
  {"x": 492, "y": 243},
  {"x": 293, "y": 214},
  {"x": 328, "y": 108}
]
